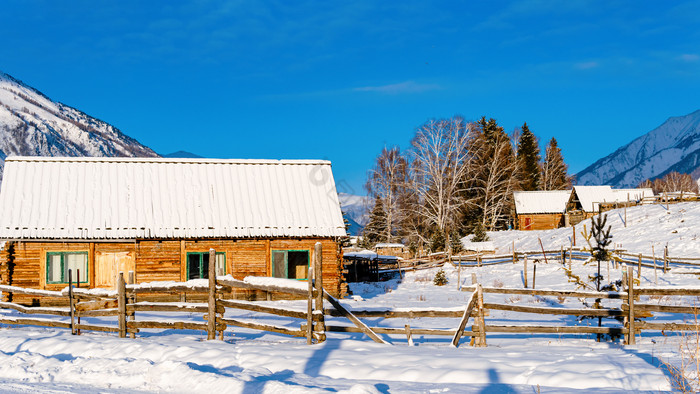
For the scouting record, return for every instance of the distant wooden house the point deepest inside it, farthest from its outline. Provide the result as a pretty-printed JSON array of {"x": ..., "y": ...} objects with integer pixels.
[
  {"x": 540, "y": 210},
  {"x": 587, "y": 201},
  {"x": 160, "y": 217},
  {"x": 392, "y": 249}
]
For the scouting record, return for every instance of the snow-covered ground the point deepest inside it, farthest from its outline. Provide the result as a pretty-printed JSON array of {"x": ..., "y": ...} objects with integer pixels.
[
  {"x": 51, "y": 360},
  {"x": 38, "y": 359}
]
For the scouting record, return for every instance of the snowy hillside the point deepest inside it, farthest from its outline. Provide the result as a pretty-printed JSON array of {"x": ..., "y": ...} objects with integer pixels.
[
  {"x": 31, "y": 124},
  {"x": 647, "y": 225},
  {"x": 355, "y": 209},
  {"x": 673, "y": 146}
]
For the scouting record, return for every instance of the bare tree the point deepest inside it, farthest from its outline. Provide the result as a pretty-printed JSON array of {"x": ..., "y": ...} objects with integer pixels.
[
  {"x": 441, "y": 152},
  {"x": 672, "y": 182},
  {"x": 387, "y": 182}
]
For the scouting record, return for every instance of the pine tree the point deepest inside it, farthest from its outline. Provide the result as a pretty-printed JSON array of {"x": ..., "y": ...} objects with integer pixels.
[
  {"x": 489, "y": 185},
  {"x": 554, "y": 169},
  {"x": 529, "y": 159},
  {"x": 479, "y": 233},
  {"x": 440, "y": 278},
  {"x": 437, "y": 242},
  {"x": 455, "y": 243},
  {"x": 375, "y": 231}
]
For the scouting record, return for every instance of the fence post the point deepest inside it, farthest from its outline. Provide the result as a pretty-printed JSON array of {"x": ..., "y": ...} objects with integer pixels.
[
  {"x": 639, "y": 267},
  {"x": 482, "y": 323},
  {"x": 77, "y": 286},
  {"x": 534, "y": 273},
  {"x": 571, "y": 256},
  {"x": 409, "y": 336},
  {"x": 211, "y": 317},
  {"x": 310, "y": 306},
  {"x": 121, "y": 303},
  {"x": 665, "y": 258},
  {"x": 459, "y": 274},
  {"x": 132, "y": 300},
  {"x": 318, "y": 284},
  {"x": 563, "y": 256},
  {"x": 631, "y": 340},
  {"x": 653, "y": 256},
  {"x": 515, "y": 255},
  {"x": 525, "y": 270},
  {"x": 71, "y": 303}
]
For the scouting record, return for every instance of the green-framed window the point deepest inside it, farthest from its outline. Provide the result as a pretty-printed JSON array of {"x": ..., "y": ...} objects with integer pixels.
[
  {"x": 290, "y": 264},
  {"x": 198, "y": 265},
  {"x": 58, "y": 264}
]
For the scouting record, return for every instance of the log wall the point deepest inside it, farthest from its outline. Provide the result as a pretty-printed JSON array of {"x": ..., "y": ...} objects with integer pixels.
[
  {"x": 164, "y": 260},
  {"x": 542, "y": 221}
]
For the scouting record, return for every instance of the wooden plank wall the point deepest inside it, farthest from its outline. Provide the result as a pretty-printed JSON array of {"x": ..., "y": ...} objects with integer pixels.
[{"x": 166, "y": 260}]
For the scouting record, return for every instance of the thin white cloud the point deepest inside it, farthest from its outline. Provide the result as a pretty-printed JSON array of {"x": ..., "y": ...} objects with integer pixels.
[
  {"x": 399, "y": 88},
  {"x": 689, "y": 57}
]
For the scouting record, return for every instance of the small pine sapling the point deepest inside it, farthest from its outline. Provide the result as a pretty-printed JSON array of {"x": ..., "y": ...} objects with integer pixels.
[
  {"x": 455, "y": 243},
  {"x": 480, "y": 233},
  {"x": 440, "y": 278},
  {"x": 602, "y": 239},
  {"x": 600, "y": 251}
]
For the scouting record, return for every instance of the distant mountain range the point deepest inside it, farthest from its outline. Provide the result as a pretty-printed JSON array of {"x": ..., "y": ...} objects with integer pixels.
[
  {"x": 673, "y": 146},
  {"x": 31, "y": 124},
  {"x": 355, "y": 210},
  {"x": 181, "y": 154}
]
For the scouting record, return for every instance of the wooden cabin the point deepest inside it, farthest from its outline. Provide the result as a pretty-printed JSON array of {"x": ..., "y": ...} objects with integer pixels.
[
  {"x": 540, "y": 210},
  {"x": 160, "y": 217},
  {"x": 393, "y": 249},
  {"x": 587, "y": 201}
]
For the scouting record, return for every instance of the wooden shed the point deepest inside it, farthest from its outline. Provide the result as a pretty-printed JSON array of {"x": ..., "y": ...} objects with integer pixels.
[
  {"x": 160, "y": 217},
  {"x": 540, "y": 210}
]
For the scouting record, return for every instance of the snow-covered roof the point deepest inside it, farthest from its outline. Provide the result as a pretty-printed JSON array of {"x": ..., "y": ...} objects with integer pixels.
[
  {"x": 632, "y": 194},
  {"x": 368, "y": 254},
  {"x": 122, "y": 198},
  {"x": 389, "y": 245},
  {"x": 590, "y": 196},
  {"x": 552, "y": 201}
]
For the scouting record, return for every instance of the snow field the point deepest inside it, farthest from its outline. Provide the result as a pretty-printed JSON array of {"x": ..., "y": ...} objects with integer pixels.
[
  {"x": 254, "y": 361},
  {"x": 40, "y": 360}
]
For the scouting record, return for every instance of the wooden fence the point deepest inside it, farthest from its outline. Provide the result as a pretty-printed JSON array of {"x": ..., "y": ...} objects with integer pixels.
[{"x": 628, "y": 319}]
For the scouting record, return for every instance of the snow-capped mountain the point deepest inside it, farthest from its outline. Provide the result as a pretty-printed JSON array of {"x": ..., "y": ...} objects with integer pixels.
[
  {"x": 355, "y": 210},
  {"x": 31, "y": 124},
  {"x": 182, "y": 154},
  {"x": 673, "y": 146}
]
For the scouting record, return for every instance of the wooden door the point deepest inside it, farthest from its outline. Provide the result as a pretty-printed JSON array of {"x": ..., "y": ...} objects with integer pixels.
[{"x": 109, "y": 264}]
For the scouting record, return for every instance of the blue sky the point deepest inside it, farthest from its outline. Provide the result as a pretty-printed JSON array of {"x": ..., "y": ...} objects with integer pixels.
[{"x": 340, "y": 80}]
